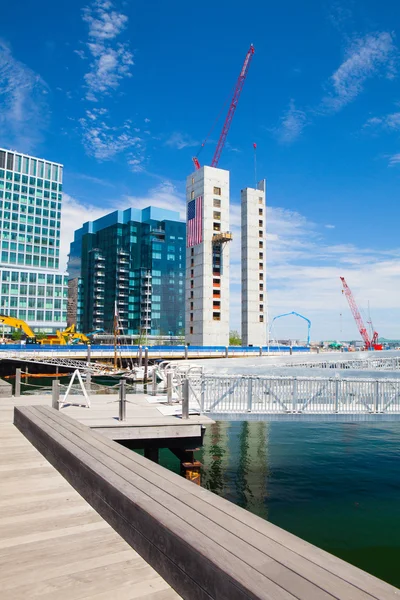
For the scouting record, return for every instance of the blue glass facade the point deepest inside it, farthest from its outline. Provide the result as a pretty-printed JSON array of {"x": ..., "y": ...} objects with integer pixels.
[{"x": 135, "y": 260}]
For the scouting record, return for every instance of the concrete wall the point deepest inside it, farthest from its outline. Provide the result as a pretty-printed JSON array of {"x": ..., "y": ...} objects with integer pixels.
[
  {"x": 203, "y": 328},
  {"x": 254, "y": 286}
]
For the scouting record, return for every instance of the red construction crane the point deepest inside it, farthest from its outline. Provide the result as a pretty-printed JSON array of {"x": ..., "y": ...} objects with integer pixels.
[
  {"x": 369, "y": 344},
  {"x": 231, "y": 112}
]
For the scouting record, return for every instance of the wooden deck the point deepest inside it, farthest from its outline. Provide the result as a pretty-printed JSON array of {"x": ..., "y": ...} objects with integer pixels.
[
  {"x": 53, "y": 545},
  {"x": 205, "y": 546}
]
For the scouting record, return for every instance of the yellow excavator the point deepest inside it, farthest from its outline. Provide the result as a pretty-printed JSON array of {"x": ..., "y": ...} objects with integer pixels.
[{"x": 67, "y": 336}]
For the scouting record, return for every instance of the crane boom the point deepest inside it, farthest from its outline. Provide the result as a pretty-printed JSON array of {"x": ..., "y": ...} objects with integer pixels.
[
  {"x": 231, "y": 111},
  {"x": 356, "y": 314}
]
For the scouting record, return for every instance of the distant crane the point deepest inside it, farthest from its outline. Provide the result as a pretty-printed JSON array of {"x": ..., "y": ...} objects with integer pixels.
[
  {"x": 296, "y": 315},
  {"x": 369, "y": 343},
  {"x": 231, "y": 112}
]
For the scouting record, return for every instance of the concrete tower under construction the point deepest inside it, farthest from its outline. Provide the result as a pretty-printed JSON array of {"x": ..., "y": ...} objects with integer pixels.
[
  {"x": 254, "y": 290},
  {"x": 207, "y": 257}
]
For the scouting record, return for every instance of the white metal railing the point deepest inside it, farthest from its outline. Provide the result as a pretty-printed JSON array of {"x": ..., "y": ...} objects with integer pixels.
[
  {"x": 391, "y": 363},
  {"x": 269, "y": 395}
]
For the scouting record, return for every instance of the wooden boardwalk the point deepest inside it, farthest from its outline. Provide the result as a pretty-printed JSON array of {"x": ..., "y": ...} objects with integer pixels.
[{"x": 53, "y": 545}]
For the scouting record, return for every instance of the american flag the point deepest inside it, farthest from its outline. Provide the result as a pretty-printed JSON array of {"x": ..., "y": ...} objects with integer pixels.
[{"x": 195, "y": 222}]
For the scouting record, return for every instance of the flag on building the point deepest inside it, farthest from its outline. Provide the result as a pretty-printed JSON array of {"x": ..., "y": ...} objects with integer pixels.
[{"x": 195, "y": 222}]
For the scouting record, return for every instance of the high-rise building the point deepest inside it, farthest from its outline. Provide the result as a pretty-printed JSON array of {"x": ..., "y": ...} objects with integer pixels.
[
  {"x": 254, "y": 287},
  {"x": 207, "y": 257},
  {"x": 32, "y": 287},
  {"x": 133, "y": 260}
]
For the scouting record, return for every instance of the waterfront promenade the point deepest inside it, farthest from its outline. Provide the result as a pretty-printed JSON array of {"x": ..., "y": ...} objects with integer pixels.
[{"x": 55, "y": 546}]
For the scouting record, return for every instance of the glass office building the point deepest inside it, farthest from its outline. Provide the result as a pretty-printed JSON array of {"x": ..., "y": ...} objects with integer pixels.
[
  {"x": 32, "y": 287},
  {"x": 132, "y": 261}
]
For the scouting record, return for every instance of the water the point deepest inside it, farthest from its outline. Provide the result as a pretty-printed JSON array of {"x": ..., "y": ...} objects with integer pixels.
[{"x": 334, "y": 485}]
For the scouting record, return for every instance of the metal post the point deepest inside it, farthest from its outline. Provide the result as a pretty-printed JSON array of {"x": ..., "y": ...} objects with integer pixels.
[
  {"x": 88, "y": 354},
  {"x": 17, "y": 391},
  {"x": 294, "y": 397},
  {"x": 260, "y": 350},
  {"x": 140, "y": 355},
  {"x": 291, "y": 350},
  {"x": 202, "y": 392},
  {"x": 249, "y": 394},
  {"x": 122, "y": 400},
  {"x": 169, "y": 388},
  {"x": 185, "y": 399},
  {"x": 336, "y": 394},
  {"x": 88, "y": 380},
  {"x": 376, "y": 398},
  {"x": 226, "y": 351},
  {"x": 154, "y": 381},
  {"x": 146, "y": 363},
  {"x": 186, "y": 352},
  {"x": 55, "y": 394}
]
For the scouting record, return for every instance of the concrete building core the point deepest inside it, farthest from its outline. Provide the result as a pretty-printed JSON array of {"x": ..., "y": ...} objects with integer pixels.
[
  {"x": 254, "y": 290},
  {"x": 207, "y": 258}
]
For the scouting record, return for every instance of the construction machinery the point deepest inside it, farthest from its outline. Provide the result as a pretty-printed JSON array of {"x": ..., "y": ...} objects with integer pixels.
[
  {"x": 369, "y": 343},
  {"x": 231, "y": 112},
  {"x": 64, "y": 337}
]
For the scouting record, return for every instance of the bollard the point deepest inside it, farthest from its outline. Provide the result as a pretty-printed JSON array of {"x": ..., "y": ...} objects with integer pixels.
[
  {"x": 226, "y": 351},
  {"x": 55, "y": 394},
  {"x": 146, "y": 364},
  {"x": 260, "y": 354},
  {"x": 140, "y": 356},
  {"x": 169, "y": 388},
  {"x": 17, "y": 391},
  {"x": 291, "y": 350},
  {"x": 186, "y": 352},
  {"x": 88, "y": 354},
  {"x": 185, "y": 399},
  {"x": 88, "y": 381},
  {"x": 122, "y": 400},
  {"x": 154, "y": 382}
]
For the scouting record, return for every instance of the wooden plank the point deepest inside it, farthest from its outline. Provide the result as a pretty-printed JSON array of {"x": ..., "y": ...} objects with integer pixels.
[
  {"x": 287, "y": 576},
  {"x": 142, "y": 521},
  {"x": 329, "y": 563},
  {"x": 150, "y": 433}
]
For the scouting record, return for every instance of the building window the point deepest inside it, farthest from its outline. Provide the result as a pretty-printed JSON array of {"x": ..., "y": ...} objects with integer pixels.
[
  {"x": 260, "y": 234},
  {"x": 216, "y": 282},
  {"x": 261, "y": 266},
  {"x": 191, "y": 330},
  {"x": 191, "y": 294},
  {"x": 261, "y": 318},
  {"x": 261, "y": 308},
  {"x": 260, "y": 223},
  {"x": 217, "y": 226},
  {"x": 260, "y": 244},
  {"x": 192, "y": 262},
  {"x": 217, "y": 215},
  {"x": 261, "y": 287},
  {"x": 192, "y": 273},
  {"x": 260, "y": 201},
  {"x": 217, "y": 191},
  {"x": 260, "y": 255},
  {"x": 191, "y": 306},
  {"x": 261, "y": 297},
  {"x": 216, "y": 315},
  {"x": 191, "y": 316},
  {"x": 217, "y": 203},
  {"x": 192, "y": 195},
  {"x": 192, "y": 180},
  {"x": 192, "y": 252},
  {"x": 260, "y": 212}
]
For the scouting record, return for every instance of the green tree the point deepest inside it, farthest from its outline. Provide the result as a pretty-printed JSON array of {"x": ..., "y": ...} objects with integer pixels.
[
  {"x": 234, "y": 338},
  {"x": 16, "y": 335}
]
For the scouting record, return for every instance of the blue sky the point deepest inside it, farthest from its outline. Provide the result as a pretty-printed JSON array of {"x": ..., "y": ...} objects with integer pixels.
[{"x": 123, "y": 93}]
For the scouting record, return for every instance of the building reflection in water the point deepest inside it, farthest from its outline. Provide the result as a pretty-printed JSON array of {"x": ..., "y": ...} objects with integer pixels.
[{"x": 236, "y": 463}]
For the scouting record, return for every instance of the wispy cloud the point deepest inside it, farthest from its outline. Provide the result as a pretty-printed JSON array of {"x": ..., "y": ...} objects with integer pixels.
[
  {"x": 180, "y": 140},
  {"x": 394, "y": 160},
  {"x": 104, "y": 141},
  {"x": 367, "y": 56},
  {"x": 23, "y": 103},
  {"x": 390, "y": 121},
  {"x": 291, "y": 125},
  {"x": 111, "y": 60}
]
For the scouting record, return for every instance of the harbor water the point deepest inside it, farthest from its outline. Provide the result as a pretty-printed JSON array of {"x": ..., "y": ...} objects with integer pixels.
[{"x": 336, "y": 485}]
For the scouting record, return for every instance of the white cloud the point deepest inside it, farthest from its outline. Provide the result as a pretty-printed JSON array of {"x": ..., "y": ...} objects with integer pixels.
[
  {"x": 180, "y": 141},
  {"x": 23, "y": 104},
  {"x": 111, "y": 60},
  {"x": 365, "y": 58},
  {"x": 328, "y": 226},
  {"x": 291, "y": 125},
  {"x": 394, "y": 160},
  {"x": 104, "y": 141}
]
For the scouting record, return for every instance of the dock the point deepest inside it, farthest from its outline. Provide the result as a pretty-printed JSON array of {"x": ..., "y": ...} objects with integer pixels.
[{"x": 56, "y": 543}]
